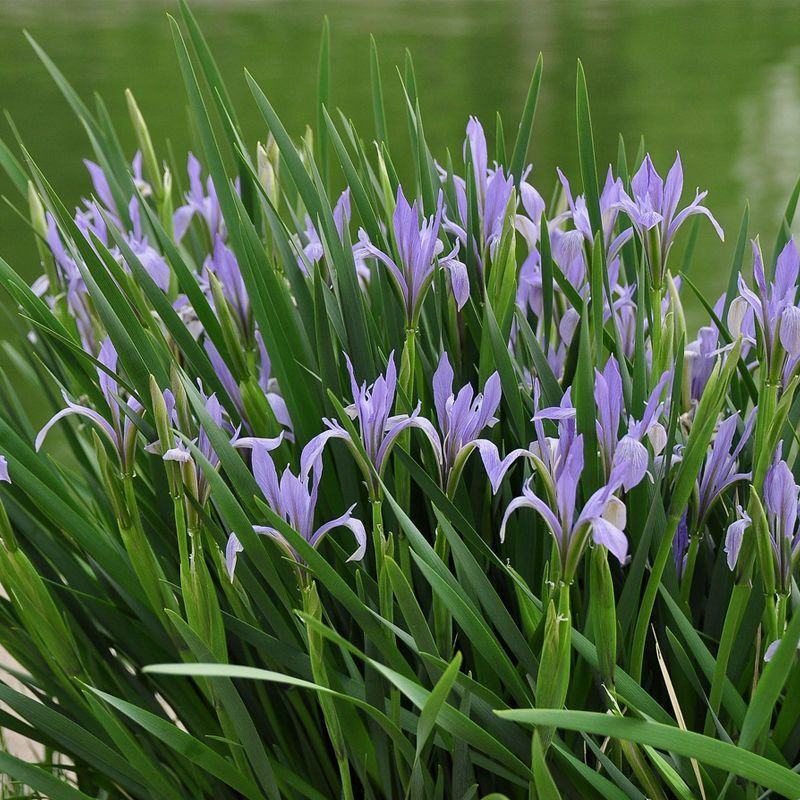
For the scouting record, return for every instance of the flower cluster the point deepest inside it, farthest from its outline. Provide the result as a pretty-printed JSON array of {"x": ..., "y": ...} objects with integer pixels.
[{"x": 258, "y": 362}]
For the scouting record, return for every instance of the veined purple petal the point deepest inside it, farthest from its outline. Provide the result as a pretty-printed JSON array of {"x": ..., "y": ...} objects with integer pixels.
[
  {"x": 396, "y": 425},
  {"x": 786, "y": 271},
  {"x": 232, "y": 549},
  {"x": 313, "y": 450},
  {"x": 496, "y": 467},
  {"x": 459, "y": 279},
  {"x": 630, "y": 462},
  {"x": 101, "y": 187},
  {"x": 790, "y": 330},
  {"x": 344, "y": 521},
  {"x": 82, "y": 411},
  {"x": 694, "y": 208},
  {"x": 611, "y": 537},
  {"x": 4, "y": 469},
  {"x": 673, "y": 188},
  {"x": 277, "y": 537},
  {"x": 442, "y": 387},
  {"x": 530, "y": 500},
  {"x": 734, "y": 536}
]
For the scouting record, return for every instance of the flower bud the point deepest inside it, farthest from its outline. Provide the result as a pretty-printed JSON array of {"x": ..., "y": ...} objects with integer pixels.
[
  {"x": 181, "y": 400},
  {"x": 160, "y": 415},
  {"x": 384, "y": 181},
  {"x": 554, "y": 667},
  {"x": 202, "y": 604},
  {"x": 604, "y": 613},
  {"x": 166, "y": 207},
  {"x": 39, "y": 225},
  {"x": 230, "y": 330},
  {"x": 151, "y": 169},
  {"x": 257, "y": 409},
  {"x": 268, "y": 164}
]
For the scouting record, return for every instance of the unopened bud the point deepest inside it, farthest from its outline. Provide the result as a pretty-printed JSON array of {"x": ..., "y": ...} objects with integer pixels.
[
  {"x": 230, "y": 330},
  {"x": 181, "y": 401},
  {"x": 604, "y": 613},
  {"x": 39, "y": 225},
  {"x": 554, "y": 667},
  {"x": 268, "y": 161},
  {"x": 151, "y": 169}
]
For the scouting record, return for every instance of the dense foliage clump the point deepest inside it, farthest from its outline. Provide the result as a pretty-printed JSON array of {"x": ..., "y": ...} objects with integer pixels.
[{"x": 421, "y": 488}]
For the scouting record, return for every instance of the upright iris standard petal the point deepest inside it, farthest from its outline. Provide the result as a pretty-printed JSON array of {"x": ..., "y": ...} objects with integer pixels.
[
  {"x": 378, "y": 428},
  {"x": 654, "y": 208},
  {"x": 293, "y": 498},
  {"x": 418, "y": 250},
  {"x": 462, "y": 418}
]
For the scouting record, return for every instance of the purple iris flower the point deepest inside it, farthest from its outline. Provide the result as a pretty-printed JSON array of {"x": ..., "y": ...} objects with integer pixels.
[
  {"x": 773, "y": 306},
  {"x": 76, "y": 293},
  {"x": 294, "y": 499},
  {"x": 91, "y": 219},
  {"x": 378, "y": 429},
  {"x": 653, "y": 210},
  {"x": 223, "y": 264},
  {"x": 182, "y": 454},
  {"x": 201, "y": 201},
  {"x": 719, "y": 471},
  {"x": 418, "y": 250},
  {"x": 493, "y": 189},
  {"x": 462, "y": 417},
  {"x": 4, "y": 470},
  {"x": 609, "y": 210},
  {"x": 154, "y": 263},
  {"x": 603, "y": 515},
  {"x": 120, "y": 432},
  {"x": 311, "y": 245},
  {"x": 700, "y": 356},
  {"x": 780, "y": 495},
  {"x": 268, "y": 384},
  {"x": 627, "y": 456}
]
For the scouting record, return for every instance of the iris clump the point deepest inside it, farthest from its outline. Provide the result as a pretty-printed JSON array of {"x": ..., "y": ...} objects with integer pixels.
[{"x": 368, "y": 472}]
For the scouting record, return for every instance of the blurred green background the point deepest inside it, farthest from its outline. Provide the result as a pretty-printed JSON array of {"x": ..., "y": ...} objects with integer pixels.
[{"x": 717, "y": 80}]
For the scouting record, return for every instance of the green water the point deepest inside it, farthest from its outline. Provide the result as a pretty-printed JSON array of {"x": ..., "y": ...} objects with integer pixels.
[{"x": 720, "y": 81}]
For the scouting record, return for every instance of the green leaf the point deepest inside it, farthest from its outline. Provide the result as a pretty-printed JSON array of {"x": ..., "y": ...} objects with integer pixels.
[
  {"x": 323, "y": 97},
  {"x": 586, "y": 151},
  {"x": 546, "y": 788},
  {"x": 38, "y": 779},
  {"x": 378, "y": 112},
  {"x": 718, "y": 754},
  {"x": 433, "y": 705},
  {"x": 770, "y": 686},
  {"x": 523, "y": 139},
  {"x": 185, "y": 744}
]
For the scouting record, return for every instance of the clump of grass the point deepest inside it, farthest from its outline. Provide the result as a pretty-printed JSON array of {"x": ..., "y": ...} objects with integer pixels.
[{"x": 417, "y": 489}]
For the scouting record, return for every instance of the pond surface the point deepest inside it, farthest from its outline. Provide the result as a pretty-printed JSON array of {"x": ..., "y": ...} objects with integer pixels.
[{"x": 718, "y": 80}]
